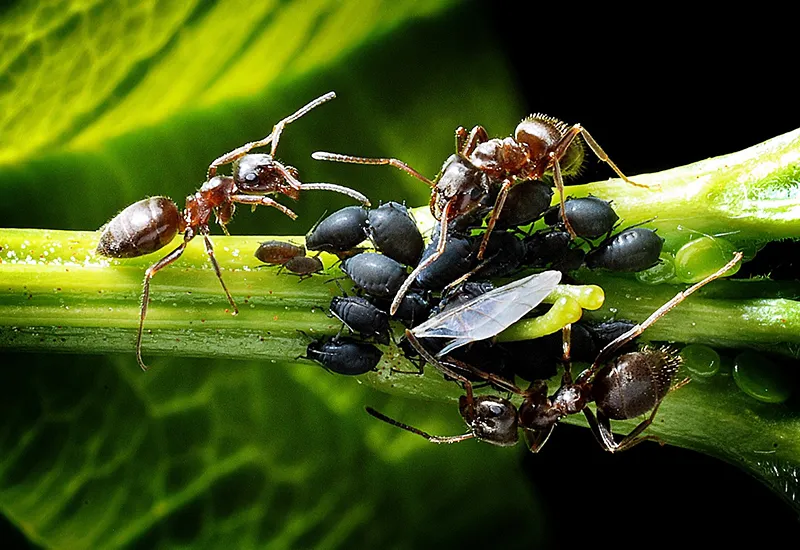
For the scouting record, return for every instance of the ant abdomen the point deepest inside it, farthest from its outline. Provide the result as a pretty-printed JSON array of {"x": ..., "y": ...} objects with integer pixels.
[
  {"x": 142, "y": 228},
  {"x": 635, "y": 382}
]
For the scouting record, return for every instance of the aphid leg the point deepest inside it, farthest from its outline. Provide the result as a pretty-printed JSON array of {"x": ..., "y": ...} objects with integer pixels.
[
  {"x": 466, "y": 144},
  {"x": 559, "y": 181},
  {"x": 626, "y": 337},
  {"x": 406, "y": 427},
  {"x": 151, "y": 271},
  {"x": 259, "y": 200},
  {"x": 601, "y": 428},
  {"x": 424, "y": 264},
  {"x": 239, "y": 152},
  {"x": 210, "y": 252},
  {"x": 498, "y": 207},
  {"x": 335, "y": 157}
]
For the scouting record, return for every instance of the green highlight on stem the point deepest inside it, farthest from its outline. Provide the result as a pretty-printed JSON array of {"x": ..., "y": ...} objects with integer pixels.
[{"x": 58, "y": 295}]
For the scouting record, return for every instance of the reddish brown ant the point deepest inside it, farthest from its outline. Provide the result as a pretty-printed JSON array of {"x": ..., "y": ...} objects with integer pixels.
[
  {"x": 483, "y": 170},
  {"x": 151, "y": 224},
  {"x": 622, "y": 387}
]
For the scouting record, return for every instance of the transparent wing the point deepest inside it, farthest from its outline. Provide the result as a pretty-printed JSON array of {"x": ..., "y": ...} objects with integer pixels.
[{"x": 489, "y": 314}]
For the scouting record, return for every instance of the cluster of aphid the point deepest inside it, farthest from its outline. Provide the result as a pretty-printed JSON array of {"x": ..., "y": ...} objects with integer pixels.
[{"x": 450, "y": 309}]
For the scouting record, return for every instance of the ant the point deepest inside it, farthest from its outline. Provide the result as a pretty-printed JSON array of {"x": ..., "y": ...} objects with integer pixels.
[
  {"x": 483, "y": 168},
  {"x": 151, "y": 224},
  {"x": 623, "y": 386}
]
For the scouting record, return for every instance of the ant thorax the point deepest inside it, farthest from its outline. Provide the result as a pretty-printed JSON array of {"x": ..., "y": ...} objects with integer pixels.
[
  {"x": 570, "y": 399},
  {"x": 214, "y": 193},
  {"x": 462, "y": 182},
  {"x": 501, "y": 158},
  {"x": 216, "y": 190},
  {"x": 539, "y": 412}
]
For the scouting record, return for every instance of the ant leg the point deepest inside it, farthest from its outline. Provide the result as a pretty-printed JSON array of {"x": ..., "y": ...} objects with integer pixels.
[
  {"x": 502, "y": 383},
  {"x": 565, "y": 142},
  {"x": 566, "y": 354},
  {"x": 260, "y": 200},
  {"x": 445, "y": 370},
  {"x": 597, "y": 150},
  {"x": 559, "y": 181},
  {"x": 535, "y": 439},
  {"x": 461, "y": 138},
  {"x": 601, "y": 427},
  {"x": 273, "y": 137},
  {"x": 406, "y": 427},
  {"x": 498, "y": 207},
  {"x": 151, "y": 271},
  {"x": 466, "y": 144},
  {"x": 335, "y": 157},
  {"x": 626, "y": 337},
  {"x": 424, "y": 264},
  {"x": 210, "y": 252}
]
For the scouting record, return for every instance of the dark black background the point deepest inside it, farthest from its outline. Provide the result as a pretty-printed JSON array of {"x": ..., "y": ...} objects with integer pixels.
[{"x": 667, "y": 88}]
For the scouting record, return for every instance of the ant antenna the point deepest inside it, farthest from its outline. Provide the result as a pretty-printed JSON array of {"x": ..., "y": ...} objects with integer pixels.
[
  {"x": 350, "y": 159},
  {"x": 352, "y": 193},
  {"x": 272, "y": 138},
  {"x": 429, "y": 437}
]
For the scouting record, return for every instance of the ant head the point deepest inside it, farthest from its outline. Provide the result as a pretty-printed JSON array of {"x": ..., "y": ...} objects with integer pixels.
[
  {"x": 260, "y": 173},
  {"x": 492, "y": 419}
]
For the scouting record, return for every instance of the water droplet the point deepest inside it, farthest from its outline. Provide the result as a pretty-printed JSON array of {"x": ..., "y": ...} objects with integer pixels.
[
  {"x": 700, "y": 360},
  {"x": 701, "y": 257},
  {"x": 662, "y": 272},
  {"x": 761, "y": 378}
]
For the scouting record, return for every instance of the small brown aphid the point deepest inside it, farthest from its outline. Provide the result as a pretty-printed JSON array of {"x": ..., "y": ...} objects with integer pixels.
[
  {"x": 622, "y": 386},
  {"x": 483, "y": 170},
  {"x": 305, "y": 266},
  {"x": 150, "y": 224},
  {"x": 278, "y": 252}
]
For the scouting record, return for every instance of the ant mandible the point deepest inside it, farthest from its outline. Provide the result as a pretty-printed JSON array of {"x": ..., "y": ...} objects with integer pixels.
[
  {"x": 483, "y": 168},
  {"x": 622, "y": 386},
  {"x": 151, "y": 224}
]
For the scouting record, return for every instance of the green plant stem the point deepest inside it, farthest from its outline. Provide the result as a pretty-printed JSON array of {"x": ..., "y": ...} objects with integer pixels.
[{"x": 57, "y": 295}]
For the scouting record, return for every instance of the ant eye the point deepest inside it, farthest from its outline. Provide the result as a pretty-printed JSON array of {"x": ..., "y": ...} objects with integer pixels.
[
  {"x": 497, "y": 409},
  {"x": 251, "y": 176}
]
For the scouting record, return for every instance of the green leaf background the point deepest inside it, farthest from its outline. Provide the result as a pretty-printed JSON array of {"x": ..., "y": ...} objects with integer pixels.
[{"x": 106, "y": 102}]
